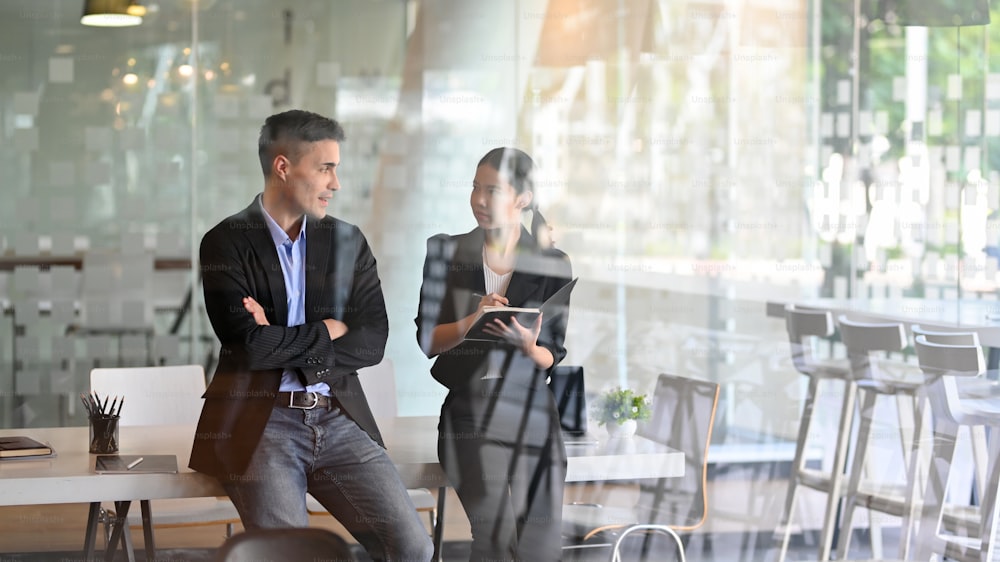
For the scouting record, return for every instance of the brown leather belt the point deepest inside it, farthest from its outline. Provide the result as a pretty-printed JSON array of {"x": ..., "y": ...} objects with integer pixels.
[{"x": 302, "y": 400}]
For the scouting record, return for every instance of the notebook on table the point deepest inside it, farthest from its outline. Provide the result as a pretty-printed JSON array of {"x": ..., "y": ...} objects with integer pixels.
[
  {"x": 135, "y": 464},
  {"x": 21, "y": 446}
]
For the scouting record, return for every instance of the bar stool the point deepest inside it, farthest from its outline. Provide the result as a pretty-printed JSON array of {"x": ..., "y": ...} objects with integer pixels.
[
  {"x": 961, "y": 516},
  {"x": 804, "y": 326},
  {"x": 945, "y": 363},
  {"x": 877, "y": 378}
]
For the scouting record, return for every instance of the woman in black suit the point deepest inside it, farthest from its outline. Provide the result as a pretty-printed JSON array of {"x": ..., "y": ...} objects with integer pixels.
[{"x": 499, "y": 439}]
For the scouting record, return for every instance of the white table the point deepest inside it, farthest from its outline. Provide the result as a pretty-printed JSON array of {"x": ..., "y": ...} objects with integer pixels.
[
  {"x": 411, "y": 442},
  {"x": 980, "y": 316}
]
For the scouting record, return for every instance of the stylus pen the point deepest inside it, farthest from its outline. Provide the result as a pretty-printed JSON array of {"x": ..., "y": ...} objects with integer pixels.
[{"x": 134, "y": 464}]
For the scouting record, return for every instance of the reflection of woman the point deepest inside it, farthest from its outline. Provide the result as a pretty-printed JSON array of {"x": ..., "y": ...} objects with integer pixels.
[{"x": 499, "y": 439}]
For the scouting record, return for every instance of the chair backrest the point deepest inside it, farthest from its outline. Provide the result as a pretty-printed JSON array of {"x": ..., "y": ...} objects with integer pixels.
[
  {"x": 379, "y": 384},
  {"x": 942, "y": 362},
  {"x": 169, "y": 395},
  {"x": 803, "y": 325},
  {"x": 566, "y": 384},
  {"x": 950, "y": 337},
  {"x": 775, "y": 309},
  {"x": 863, "y": 339},
  {"x": 683, "y": 415},
  {"x": 285, "y": 544}
]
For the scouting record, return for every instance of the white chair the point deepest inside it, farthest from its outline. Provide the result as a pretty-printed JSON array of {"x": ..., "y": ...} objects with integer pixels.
[
  {"x": 379, "y": 384},
  {"x": 164, "y": 396},
  {"x": 683, "y": 416},
  {"x": 804, "y": 327},
  {"x": 868, "y": 343},
  {"x": 947, "y": 362}
]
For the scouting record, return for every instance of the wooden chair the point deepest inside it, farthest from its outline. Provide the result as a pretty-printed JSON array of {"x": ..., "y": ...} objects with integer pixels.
[{"x": 683, "y": 417}]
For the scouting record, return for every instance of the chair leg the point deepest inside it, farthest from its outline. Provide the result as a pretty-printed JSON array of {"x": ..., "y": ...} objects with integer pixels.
[
  {"x": 866, "y": 409},
  {"x": 916, "y": 474},
  {"x": 616, "y": 550},
  {"x": 798, "y": 465},
  {"x": 927, "y": 541},
  {"x": 990, "y": 505},
  {"x": 837, "y": 470}
]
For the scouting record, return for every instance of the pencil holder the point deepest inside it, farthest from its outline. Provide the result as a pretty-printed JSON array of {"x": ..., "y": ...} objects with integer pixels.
[{"x": 104, "y": 434}]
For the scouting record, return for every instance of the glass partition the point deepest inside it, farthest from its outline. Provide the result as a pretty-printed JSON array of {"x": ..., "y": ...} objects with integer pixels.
[{"x": 695, "y": 161}]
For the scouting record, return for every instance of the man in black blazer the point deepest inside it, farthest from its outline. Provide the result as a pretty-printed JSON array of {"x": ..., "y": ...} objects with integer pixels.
[{"x": 295, "y": 300}]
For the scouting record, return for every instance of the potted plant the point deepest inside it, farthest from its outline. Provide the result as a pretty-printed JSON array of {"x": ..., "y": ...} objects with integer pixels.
[{"x": 620, "y": 409}]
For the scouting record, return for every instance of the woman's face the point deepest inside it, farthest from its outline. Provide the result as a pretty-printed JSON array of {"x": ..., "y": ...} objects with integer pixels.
[{"x": 495, "y": 203}]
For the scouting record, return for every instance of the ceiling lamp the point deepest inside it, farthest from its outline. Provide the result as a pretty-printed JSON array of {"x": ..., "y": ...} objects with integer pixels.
[{"x": 111, "y": 13}]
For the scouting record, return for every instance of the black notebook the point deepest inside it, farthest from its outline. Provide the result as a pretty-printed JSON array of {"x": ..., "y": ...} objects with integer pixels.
[
  {"x": 22, "y": 446},
  {"x": 126, "y": 464},
  {"x": 551, "y": 308}
]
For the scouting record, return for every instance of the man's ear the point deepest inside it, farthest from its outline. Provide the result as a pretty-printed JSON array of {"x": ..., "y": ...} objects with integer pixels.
[
  {"x": 280, "y": 165},
  {"x": 524, "y": 199}
]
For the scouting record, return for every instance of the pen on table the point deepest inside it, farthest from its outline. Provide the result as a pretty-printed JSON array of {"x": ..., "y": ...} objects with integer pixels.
[{"x": 134, "y": 463}]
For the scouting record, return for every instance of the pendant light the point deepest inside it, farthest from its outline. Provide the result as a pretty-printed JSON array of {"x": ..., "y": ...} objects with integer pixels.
[{"x": 112, "y": 13}]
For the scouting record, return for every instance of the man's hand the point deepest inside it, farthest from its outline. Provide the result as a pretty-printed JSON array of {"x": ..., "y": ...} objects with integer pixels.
[
  {"x": 255, "y": 310},
  {"x": 336, "y": 328}
]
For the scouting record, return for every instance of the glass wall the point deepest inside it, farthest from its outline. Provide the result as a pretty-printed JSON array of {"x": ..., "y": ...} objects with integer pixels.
[{"x": 697, "y": 159}]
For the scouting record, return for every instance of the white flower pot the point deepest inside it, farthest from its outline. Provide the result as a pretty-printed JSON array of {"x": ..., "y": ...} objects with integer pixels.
[{"x": 623, "y": 429}]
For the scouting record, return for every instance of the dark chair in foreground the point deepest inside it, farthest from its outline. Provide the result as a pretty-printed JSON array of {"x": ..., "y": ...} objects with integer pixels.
[
  {"x": 683, "y": 416},
  {"x": 285, "y": 544}
]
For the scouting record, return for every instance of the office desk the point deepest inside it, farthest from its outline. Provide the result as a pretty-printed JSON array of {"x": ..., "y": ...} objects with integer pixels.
[{"x": 411, "y": 442}]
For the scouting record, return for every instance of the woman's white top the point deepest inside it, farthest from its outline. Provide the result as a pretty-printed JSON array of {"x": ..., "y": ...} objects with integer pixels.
[{"x": 495, "y": 283}]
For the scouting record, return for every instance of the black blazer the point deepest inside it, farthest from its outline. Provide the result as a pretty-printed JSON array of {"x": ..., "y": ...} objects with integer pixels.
[
  {"x": 453, "y": 272},
  {"x": 238, "y": 259}
]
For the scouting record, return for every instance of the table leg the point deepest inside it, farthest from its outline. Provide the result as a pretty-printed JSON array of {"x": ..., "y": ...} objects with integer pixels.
[
  {"x": 120, "y": 526},
  {"x": 91, "y": 533},
  {"x": 147, "y": 530},
  {"x": 439, "y": 524}
]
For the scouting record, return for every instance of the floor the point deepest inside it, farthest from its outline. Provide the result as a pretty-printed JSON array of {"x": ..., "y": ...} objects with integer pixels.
[{"x": 55, "y": 533}]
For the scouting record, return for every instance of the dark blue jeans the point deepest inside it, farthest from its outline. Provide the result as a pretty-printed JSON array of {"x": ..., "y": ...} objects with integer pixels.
[{"x": 325, "y": 453}]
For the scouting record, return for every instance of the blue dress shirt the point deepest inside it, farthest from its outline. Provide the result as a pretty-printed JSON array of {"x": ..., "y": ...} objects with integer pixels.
[{"x": 292, "y": 255}]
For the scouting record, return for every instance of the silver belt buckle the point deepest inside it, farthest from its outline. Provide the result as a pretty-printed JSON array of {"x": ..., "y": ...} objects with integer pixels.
[{"x": 291, "y": 401}]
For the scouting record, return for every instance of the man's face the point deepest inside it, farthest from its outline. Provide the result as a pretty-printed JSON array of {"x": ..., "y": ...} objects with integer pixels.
[{"x": 312, "y": 178}]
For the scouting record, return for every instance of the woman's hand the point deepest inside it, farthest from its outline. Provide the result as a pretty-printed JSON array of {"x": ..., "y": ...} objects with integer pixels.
[
  {"x": 255, "y": 310},
  {"x": 522, "y": 337},
  {"x": 492, "y": 299}
]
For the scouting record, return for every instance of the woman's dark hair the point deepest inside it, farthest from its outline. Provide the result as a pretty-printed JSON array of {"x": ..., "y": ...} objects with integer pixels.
[
  {"x": 287, "y": 132},
  {"x": 518, "y": 168}
]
